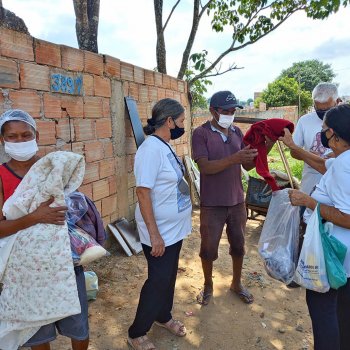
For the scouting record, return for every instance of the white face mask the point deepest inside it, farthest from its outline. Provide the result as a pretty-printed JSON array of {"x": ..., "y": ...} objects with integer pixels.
[
  {"x": 21, "y": 151},
  {"x": 225, "y": 121}
]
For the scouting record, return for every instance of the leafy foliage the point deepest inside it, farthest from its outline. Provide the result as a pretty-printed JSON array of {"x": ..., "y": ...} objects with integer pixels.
[
  {"x": 285, "y": 92},
  {"x": 309, "y": 73}
]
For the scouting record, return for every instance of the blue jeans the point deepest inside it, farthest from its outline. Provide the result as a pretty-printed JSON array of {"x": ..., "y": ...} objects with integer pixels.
[{"x": 330, "y": 316}]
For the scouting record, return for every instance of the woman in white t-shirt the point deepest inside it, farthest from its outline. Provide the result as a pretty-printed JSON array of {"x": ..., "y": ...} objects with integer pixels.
[
  {"x": 330, "y": 311},
  {"x": 163, "y": 217}
]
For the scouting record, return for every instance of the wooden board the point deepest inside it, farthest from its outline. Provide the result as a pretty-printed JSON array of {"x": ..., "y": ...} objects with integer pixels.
[
  {"x": 130, "y": 235},
  {"x": 119, "y": 239}
]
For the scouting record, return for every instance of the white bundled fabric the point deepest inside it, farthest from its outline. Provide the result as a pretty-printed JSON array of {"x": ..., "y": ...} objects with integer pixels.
[
  {"x": 278, "y": 243},
  {"x": 39, "y": 285},
  {"x": 311, "y": 270}
]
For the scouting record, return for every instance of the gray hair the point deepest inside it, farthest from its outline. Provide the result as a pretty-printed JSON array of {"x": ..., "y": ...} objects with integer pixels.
[
  {"x": 324, "y": 91},
  {"x": 16, "y": 115}
]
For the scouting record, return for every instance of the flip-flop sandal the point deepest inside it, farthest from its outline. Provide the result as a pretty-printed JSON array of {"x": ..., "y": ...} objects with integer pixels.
[
  {"x": 244, "y": 295},
  {"x": 205, "y": 295},
  {"x": 175, "y": 327},
  {"x": 141, "y": 343}
]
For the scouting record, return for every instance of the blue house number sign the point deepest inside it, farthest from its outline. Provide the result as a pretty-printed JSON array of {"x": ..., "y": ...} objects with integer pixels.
[{"x": 65, "y": 84}]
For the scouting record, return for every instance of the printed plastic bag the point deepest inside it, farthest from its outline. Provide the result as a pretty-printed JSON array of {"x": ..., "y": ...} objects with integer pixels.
[
  {"x": 84, "y": 248},
  {"x": 77, "y": 207},
  {"x": 334, "y": 254},
  {"x": 279, "y": 239},
  {"x": 91, "y": 283},
  {"x": 311, "y": 271}
]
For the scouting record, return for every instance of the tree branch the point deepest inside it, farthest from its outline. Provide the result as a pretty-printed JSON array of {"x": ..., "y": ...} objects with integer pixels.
[{"x": 171, "y": 12}]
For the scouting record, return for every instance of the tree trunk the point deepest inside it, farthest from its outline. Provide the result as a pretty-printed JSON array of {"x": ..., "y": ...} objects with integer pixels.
[
  {"x": 9, "y": 20},
  {"x": 160, "y": 49},
  {"x": 86, "y": 25}
]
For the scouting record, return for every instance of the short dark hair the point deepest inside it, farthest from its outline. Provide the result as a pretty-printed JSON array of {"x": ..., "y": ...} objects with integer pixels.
[
  {"x": 338, "y": 119},
  {"x": 167, "y": 107}
]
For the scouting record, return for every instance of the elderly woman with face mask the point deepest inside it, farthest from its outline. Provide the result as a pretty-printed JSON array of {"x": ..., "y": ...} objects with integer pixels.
[{"x": 330, "y": 311}]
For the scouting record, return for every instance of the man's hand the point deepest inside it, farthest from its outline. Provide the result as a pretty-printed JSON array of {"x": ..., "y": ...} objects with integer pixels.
[
  {"x": 244, "y": 156},
  {"x": 298, "y": 198},
  {"x": 287, "y": 139},
  {"x": 158, "y": 246},
  {"x": 45, "y": 214}
]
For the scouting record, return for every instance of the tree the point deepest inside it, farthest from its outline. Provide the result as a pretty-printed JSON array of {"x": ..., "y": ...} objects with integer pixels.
[
  {"x": 286, "y": 92},
  {"x": 309, "y": 73},
  {"x": 86, "y": 24},
  {"x": 248, "y": 20}
]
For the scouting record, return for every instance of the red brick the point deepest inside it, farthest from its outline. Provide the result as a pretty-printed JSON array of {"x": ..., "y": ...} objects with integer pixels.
[
  {"x": 106, "y": 220},
  {"x": 103, "y": 128},
  {"x": 181, "y": 85},
  {"x": 112, "y": 180},
  {"x": 78, "y": 147},
  {"x": 128, "y": 128},
  {"x": 91, "y": 173},
  {"x": 143, "y": 110},
  {"x": 161, "y": 93},
  {"x": 2, "y": 110},
  {"x": 72, "y": 59},
  {"x": 73, "y": 105},
  {"x": 100, "y": 189},
  {"x": 130, "y": 145},
  {"x": 166, "y": 82},
  {"x": 143, "y": 93},
  {"x": 17, "y": 45},
  {"x": 86, "y": 189},
  {"x": 47, "y": 132},
  {"x": 152, "y": 93},
  {"x": 88, "y": 84},
  {"x": 184, "y": 100},
  {"x": 27, "y": 100},
  {"x": 173, "y": 84},
  {"x": 112, "y": 66},
  {"x": 126, "y": 71},
  {"x": 158, "y": 79},
  {"x": 102, "y": 86},
  {"x": 107, "y": 148},
  {"x": 93, "y": 63},
  {"x": 126, "y": 88},
  {"x": 139, "y": 75},
  {"x": 47, "y": 53},
  {"x": 93, "y": 151},
  {"x": 134, "y": 90},
  {"x": 107, "y": 168},
  {"x": 177, "y": 96},
  {"x": 106, "y": 107},
  {"x": 44, "y": 150},
  {"x": 109, "y": 205},
  {"x": 65, "y": 130},
  {"x": 84, "y": 129},
  {"x": 93, "y": 107},
  {"x": 34, "y": 76},
  {"x": 52, "y": 106},
  {"x": 98, "y": 205},
  {"x": 149, "y": 77},
  {"x": 169, "y": 94},
  {"x": 9, "y": 77}
]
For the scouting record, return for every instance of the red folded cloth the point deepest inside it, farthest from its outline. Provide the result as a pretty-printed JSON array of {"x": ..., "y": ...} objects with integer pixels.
[{"x": 255, "y": 137}]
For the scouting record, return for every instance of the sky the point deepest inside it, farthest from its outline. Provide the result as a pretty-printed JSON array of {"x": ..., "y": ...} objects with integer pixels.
[{"x": 127, "y": 31}]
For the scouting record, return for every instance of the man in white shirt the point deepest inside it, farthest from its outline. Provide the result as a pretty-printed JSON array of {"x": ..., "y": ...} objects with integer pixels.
[{"x": 307, "y": 133}]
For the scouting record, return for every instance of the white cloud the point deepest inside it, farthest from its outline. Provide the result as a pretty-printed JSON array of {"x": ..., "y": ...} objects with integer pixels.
[{"x": 127, "y": 31}]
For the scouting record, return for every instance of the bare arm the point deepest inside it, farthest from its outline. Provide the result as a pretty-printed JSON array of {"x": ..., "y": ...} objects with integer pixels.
[
  {"x": 210, "y": 167},
  {"x": 43, "y": 214},
  {"x": 296, "y": 152},
  {"x": 328, "y": 213},
  {"x": 146, "y": 208}
]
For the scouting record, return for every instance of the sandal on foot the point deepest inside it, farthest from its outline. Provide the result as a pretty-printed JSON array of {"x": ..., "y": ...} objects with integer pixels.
[
  {"x": 141, "y": 343},
  {"x": 205, "y": 295},
  {"x": 244, "y": 295},
  {"x": 174, "y": 326}
]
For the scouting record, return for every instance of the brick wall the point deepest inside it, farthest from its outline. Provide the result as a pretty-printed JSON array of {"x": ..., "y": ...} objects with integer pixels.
[
  {"x": 287, "y": 112},
  {"x": 94, "y": 123}
]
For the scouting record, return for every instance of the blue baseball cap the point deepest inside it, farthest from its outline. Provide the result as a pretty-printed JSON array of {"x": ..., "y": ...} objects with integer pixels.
[{"x": 224, "y": 100}]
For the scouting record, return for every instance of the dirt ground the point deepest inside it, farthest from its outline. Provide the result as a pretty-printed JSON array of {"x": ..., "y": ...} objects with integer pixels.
[{"x": 278, "y": 319}]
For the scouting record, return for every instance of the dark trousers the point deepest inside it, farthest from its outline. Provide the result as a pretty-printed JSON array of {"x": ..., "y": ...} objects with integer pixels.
[
  {"x": 157, "y": 293},
  {"x": 330, "y": 316}
]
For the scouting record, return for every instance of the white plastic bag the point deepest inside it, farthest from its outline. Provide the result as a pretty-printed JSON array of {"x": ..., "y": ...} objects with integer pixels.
[
  {"x": 311, "y": 270},
  {"x": 279, "y": 239}
]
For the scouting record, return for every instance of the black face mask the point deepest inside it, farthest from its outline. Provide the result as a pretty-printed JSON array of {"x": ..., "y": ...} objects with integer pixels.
[
  {"x": 324, "y": 140},
  {"x": 321, "y": 113},
  {"x": 177, "y": 132}
]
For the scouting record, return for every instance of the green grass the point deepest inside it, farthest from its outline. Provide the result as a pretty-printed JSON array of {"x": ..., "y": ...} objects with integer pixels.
[{"x": 275, "y": 163}]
